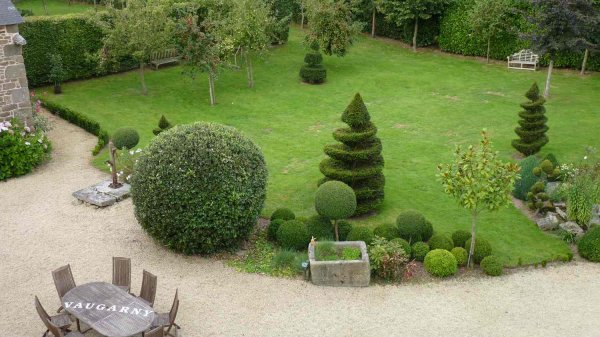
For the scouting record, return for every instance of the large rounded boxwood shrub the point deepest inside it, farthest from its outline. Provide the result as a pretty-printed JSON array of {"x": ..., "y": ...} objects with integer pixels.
[
  {"x": 411, "y": 225},
  {"x": 126, "y": 138},
  {"x": 335, "y": 200},
  {"x": 482, "y": 249},
  {"x": 440, "y": 263},
  {"x": 361, "y": 234},
  {"x": 419, "y": 250},
  {"x": 199, "y": 188},
  {"x": 283, "y": 213},
  {"x": 273, "y": 228},
  {"x": 293, "y": 234},
  {"x": 461, "y": 255},
  {"x": 589, "y": 245},
  {"x": 492, "y": 265},
  {"x": 387, "y": 231},
  {"x": 459, "y": 237},
  {"x": 320, "y": 227},
  {"x": 441, "y": 241}
]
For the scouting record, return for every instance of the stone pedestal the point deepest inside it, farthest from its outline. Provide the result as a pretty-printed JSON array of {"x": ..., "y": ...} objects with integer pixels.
[{"x": 102, "y": 195}]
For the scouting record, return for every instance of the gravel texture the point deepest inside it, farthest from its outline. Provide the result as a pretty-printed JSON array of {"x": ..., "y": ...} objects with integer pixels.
[{"x": 42, "y": 229}]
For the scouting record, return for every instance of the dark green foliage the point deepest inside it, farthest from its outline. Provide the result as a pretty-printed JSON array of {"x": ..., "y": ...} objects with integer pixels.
[
  {"x": 427, "y": 231},
  {"x": 537, "y": 197},
  {"x": 57, "y": 71},
  {"x": 461, "y": 255},
  {"x": 411, "y": 225},
  {"x": 20, "y": 150},
  {"x": 482, "y": 249},
  {"x": 273, "y": 228},
  {"x": 281, "y": 11},
  {"x": 589, "y": 245},
  {"x": 320, "y": 227},
  {"x": 552, "y": 158},
  {"x": 215, "y": 204},
  {"x": 344, "y": 228},
  {"x": 283, "y": 213},
  {"x": 405, "y": 245},
  {"x": 460, "y": 237},
  {"x": 419, "y": 250},
  {"x": 26, "y": 12},
  {"x": 527, "y": 178},
  {"x": 357, "y": 161},
  {"x": 125, "y": 138},
  {"x": 80, "y": 120},
  {"x": 361, "y": 234},
  {"x": 492, "y": 265},
  {"x": 313, "y": 71},
  {"x": 335, "y": 200},
  {"x": 163, "y": 124},
  {"x": 440, "y": 263},
  {"x": 292, "y": 234},
  {"x": 441, "y": 241},
  {"x": 533, "y": 128},
  {"x": 387, "y": 231},
  {"x": 285, "y": 259}
]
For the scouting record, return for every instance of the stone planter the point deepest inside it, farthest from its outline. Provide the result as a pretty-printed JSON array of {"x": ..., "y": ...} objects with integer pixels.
[{"x": 341, "y": 273}]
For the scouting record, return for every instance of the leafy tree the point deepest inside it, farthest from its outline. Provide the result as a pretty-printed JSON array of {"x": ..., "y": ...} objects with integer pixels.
[
  {"x": 138, "y": 30},
  {"x": 331, "y": 25},
  {"x": 561, "y": 26},
  {"x": 58, "y": 73},
  {"x": 368, "y": 5},
  {"x": 479, "y": 181},
  {"x": 490, "y": 17},
  {"x": 357, "y": 161},
  {"x": 594, "y": 37},
  {"x": 401, "y": 11},
  {"x": 532, "y": 126}
]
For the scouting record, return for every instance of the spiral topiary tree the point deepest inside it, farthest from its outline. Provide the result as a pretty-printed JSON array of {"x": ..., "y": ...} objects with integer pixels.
[
  {"x": 357, "y": 161},
  {"x": 313, "y": 71},
  {"x": 533, "y": 128}
]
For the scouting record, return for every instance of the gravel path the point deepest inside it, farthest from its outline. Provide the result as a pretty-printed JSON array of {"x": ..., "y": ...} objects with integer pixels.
[{"x": 43, "y": 229}]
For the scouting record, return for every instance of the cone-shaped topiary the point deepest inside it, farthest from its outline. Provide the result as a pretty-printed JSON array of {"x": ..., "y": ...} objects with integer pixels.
[
  {"x": 163, "y": 124},
  {"x": 313, "y": 71},
  {"x": 357, "y": 161},
  {"x": 533, "y": 128}
]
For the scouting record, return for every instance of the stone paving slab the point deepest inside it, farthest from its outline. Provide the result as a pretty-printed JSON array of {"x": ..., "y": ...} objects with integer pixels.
[{"x": 102, "y": 195}]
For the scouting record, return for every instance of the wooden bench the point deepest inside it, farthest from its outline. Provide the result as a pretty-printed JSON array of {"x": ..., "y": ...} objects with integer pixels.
[
  {"x": 164, "y": 57},
  {"x": 525, "y": 59}
]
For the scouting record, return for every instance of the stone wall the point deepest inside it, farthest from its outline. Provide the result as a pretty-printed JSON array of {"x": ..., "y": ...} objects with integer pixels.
[{"x": 14, "y": 93}]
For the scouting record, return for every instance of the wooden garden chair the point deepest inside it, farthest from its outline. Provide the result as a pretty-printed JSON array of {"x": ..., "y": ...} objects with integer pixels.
[
  {"x": 122, "y": 273},
  {"x": 167, "y": 320},
  {"x": 148, "y": 292},
  {"x": 61, "y": 321},
  {"x": 52, "y": 328},
  {"x": 63, "y": 281},
  {"x": 158, "y": 332}
]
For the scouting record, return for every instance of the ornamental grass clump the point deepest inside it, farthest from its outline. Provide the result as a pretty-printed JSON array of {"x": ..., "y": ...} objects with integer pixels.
[
  {"x": 357, "y": 161},
  {"x": 440, "y": 263},
  {"x": 199, "y": 188},
  {"x": 532, "y": 126}
]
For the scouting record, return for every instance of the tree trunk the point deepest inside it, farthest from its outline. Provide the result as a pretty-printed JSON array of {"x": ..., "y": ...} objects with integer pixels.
[
  {"x": 585, "y": 59},
  {"x": 249, "y": 71},
  {"x": 211, "y": 89},
  {"x": 302, "y": 14},
  {"x": 337, "y": 231},
  {"x": 373, "y": 22},
  {"x": 414, "y": 41},
  {"x": 488, "y": 50},
  {"x": 549, "y": 78},
  {"x": 45, "y": 7},
  {"x": 112, "y": 151},
  {"x": 142, "y": 79},
  {"x": 95, "y": 3},
  {"x": 473, "y": 234}
]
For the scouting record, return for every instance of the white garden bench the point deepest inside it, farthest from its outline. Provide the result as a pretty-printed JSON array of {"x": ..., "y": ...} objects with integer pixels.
[
  {"x": 164, "y": 57},
  {"x": 525, "y": 59}
]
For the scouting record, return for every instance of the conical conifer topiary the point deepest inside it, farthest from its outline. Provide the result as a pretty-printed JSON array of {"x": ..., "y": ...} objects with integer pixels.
[
  {"x": 313, "y": 71},
  {"x": 357, "y": 161},
  {"x": 533, "y": 128}
]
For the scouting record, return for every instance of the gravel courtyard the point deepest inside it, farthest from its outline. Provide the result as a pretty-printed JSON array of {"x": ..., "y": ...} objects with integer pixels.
[{"x": 42, "y": 229}]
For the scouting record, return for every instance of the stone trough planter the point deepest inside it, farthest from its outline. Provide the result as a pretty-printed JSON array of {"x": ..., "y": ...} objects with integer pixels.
[{"x": 341, "y": 273}]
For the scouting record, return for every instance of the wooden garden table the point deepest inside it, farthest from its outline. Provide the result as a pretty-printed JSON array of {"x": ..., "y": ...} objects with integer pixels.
[{"x": 109, "y": 310}]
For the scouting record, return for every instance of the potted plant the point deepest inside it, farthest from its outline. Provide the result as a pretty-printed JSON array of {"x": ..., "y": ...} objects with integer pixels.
[{"x": 57, "y": 72}]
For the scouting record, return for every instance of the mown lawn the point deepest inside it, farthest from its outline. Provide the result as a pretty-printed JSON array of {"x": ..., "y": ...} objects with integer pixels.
[
  {"x": 424, "y": 104},
  {"x": 54, "y": 7}
]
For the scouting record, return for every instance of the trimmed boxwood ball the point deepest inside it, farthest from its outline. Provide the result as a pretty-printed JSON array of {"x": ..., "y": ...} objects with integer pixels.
[
  {"x": 387, "y": 231},
  {"x": 272, "y": 229},
  {"x": 492, "y": 265},
  {"x": 405, "y": 245},
  {"x": 441, "y": 241},
  {"x": 335, "y": 200},
  {"x": 199, "y": 188},
  {"x": 419, "y": 250},
  {"x": 459, "y": 237},
  {"x": 283, "y": 213},
  {"x": 293, "y": 234},
  {"x": 482, "y": 249},
  {"x": 126, "y": 138},
  {"x": 589, "y": 245},
  {"x": 361, "y": 234},
  {"x": 461, "y": 255},
  {"x": 440, "y": 263},
  {"x": 411, "y": 225},
  {"x": 320, "y": 227},
  {"x": 427, "y": 231},
  {"x": 344, "y": 228}
]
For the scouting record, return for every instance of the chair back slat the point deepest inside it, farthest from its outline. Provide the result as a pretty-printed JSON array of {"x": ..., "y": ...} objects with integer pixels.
[
  {"x": 158, "y": 332},
  {"x": 40, "y": 309},
  {"x": 174, "y": 308},
  {"x": 121, "y": 271},
  {"x": 63, "y": 280},
  {"x": 148, "y": 291},
  {"x": 54, "y": 330}
]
